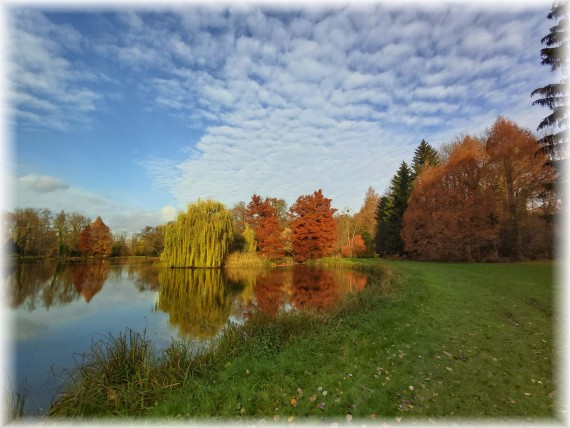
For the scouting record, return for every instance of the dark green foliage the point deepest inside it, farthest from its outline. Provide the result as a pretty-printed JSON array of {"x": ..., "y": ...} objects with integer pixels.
[
  {"x": 424, "y": 154},
  {"x": 390, "y": 213},
  {"x": 554, "y": 95}
]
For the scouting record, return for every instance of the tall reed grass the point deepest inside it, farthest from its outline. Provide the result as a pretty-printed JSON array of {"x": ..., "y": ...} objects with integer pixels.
[
  {"x": 122, "y": 376},
  {"x": 246, "y": 260}
]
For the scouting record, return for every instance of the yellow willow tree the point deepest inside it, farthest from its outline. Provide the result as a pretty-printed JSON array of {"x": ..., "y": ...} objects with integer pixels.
[{"x": 200, "y": 237}]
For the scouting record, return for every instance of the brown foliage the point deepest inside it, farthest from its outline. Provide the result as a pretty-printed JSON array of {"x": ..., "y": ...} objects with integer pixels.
[
  {"x": 89, "y": 279},
  {"x": 312, "y": 226},
  {"x": 450, "y": 214},
  {"x": 481, "y": 203},
  {"x": 356, "y": 247},
  {"x": 520, "y": 174},
  {"x": 96, "y": 239}
]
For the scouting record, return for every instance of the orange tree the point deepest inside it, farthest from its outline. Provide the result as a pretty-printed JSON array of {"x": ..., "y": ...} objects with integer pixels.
[
  {"x": 313, "y": 227},
  {"x": 262, "y": 216}
]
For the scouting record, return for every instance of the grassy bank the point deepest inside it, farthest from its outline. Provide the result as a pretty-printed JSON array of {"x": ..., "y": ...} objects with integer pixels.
[{"x": 450, "y": 340}]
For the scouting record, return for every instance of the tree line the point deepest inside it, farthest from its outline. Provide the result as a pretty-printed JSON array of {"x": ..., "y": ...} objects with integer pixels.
[
  {"x": 37, "y": 232},
  {"x": 480, "y": 198},
  {"x": 477, "y": 198}
]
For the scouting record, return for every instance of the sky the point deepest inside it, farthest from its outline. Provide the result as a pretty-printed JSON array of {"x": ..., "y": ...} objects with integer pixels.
[{"x": 131, "y": 111}]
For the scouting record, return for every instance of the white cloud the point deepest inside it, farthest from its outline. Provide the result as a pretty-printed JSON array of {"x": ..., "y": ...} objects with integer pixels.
[
  {"x": 328, "y": 97},
  {"x": 47, "y": 90},
  {"x": 42, "y": 191}
]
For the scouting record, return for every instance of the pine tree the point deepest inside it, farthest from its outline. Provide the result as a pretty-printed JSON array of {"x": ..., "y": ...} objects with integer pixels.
[
  {"x": 424, "y": 154},
  {"x": 391, "y": 210},
  {"x": 554, "y": 95}
]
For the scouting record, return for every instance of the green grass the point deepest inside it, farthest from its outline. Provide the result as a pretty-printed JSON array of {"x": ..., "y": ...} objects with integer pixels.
[{"x": 465, "y": 341}]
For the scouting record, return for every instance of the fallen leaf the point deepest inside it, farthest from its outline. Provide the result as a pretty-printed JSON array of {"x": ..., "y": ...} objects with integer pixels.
[
  {"x": 320, "y": 388},
  {"x": 449, "y": 369},
  {"x": 398, "y": 419},
  {"x": 527, "y": 394},
  {"x": 321, "y": 405},
  {"x": 247, "y": 372},
  {"x": 290, "y": 419},
  {"x": 293, "y": 402},
  {"x": 276, "y": 418},
  {"x": 349, "y": 418},
  {"x": 300, "y": 392},
  {"x": 313, "y": 398},
  {"x": 325, "y": 392},
  {"x": 411, "y": 387}
]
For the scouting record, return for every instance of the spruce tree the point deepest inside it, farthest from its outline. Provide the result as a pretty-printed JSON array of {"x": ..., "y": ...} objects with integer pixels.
[
  {"x": 423, "y": 154},
  {"x": 554, "y": 95},
  {"x": 390, "y": 213}
]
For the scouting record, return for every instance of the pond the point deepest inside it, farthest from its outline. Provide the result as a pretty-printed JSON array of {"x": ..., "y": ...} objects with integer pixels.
[{"x": 57, "y": 310}]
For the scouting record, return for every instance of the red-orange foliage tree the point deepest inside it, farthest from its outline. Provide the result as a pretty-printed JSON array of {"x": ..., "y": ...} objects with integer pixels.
[
  {"x": 451, "y": 210},
  {"x": 521, "y": 177},
  {"x": 263, "y": 218},
  {"x": 84, "y": 242},
  {"x": 96, "y": 239},
  {"x": 356, "y": 247},
  {"x": 313, "y": 226}
]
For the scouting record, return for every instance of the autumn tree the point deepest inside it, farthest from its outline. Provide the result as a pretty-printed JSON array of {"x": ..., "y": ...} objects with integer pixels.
[
  {"x": 346, "y": 225},
  {"x": 95, "y": 239},
  {"x": 521, "y": 176},
  {"x": 262, "y": 217},
  {"x": 31, "y": 232},
  {"x": 366, "y": 218},
  {"x": 102, "y": 238},
  {"x": 451, "y": 209},
  {"x": 238, "y": 212},
  {"x": 75, "y": 224},
  {"x": 390, "y": 213},
  {"x": 60, "y": 223},
  {"x": 554, "y": 54},
  {"x": 120, "y": 247},
  {"x": 312, "y": 226},
  {"x": 200, "y": 237},
  {"x": 150, "y": 241},
  {"x": 85, "y": 241}
]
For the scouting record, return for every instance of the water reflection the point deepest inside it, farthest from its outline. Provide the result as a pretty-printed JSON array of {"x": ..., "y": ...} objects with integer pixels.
[
  {"x": 198, "y": 301},
  {"x": 89, "y": 279},
  {"x": 59, "y": 309}
]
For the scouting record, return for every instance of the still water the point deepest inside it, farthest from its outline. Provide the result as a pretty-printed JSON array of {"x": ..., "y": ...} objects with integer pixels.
[{"x": 57, "y": 310}]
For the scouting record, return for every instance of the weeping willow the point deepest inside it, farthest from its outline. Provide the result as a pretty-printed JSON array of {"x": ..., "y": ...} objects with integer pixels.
[
  {"x": 197, "y": 301},
  {"x": 200, "y": 237}
]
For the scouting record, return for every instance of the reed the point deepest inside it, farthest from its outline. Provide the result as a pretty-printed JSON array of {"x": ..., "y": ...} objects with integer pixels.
[
  {"x": 247, "y": 260},
  {"x": 120, "y": 376}
]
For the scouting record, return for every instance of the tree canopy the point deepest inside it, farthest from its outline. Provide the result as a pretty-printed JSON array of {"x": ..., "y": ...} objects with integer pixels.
[
  {"x": 200, "y": 237},
  {"x": 312, "y": 226}
]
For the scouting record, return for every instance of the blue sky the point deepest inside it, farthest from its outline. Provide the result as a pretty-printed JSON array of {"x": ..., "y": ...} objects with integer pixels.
[{"x": 134, "y": 111}]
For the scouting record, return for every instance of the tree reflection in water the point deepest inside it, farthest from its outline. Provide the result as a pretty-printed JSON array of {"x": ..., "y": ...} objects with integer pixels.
[
  {"x": 282, "y": 289},
  {"x": 89, "y": 278},
  {"x": 198, "y": 301}
]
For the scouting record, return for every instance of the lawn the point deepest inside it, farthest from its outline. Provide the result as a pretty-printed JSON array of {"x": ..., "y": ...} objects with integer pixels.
[{"x": 465, "y": 341}]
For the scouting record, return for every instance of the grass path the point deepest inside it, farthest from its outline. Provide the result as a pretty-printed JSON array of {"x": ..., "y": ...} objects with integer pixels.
[{"x": 456, "y": 340}]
